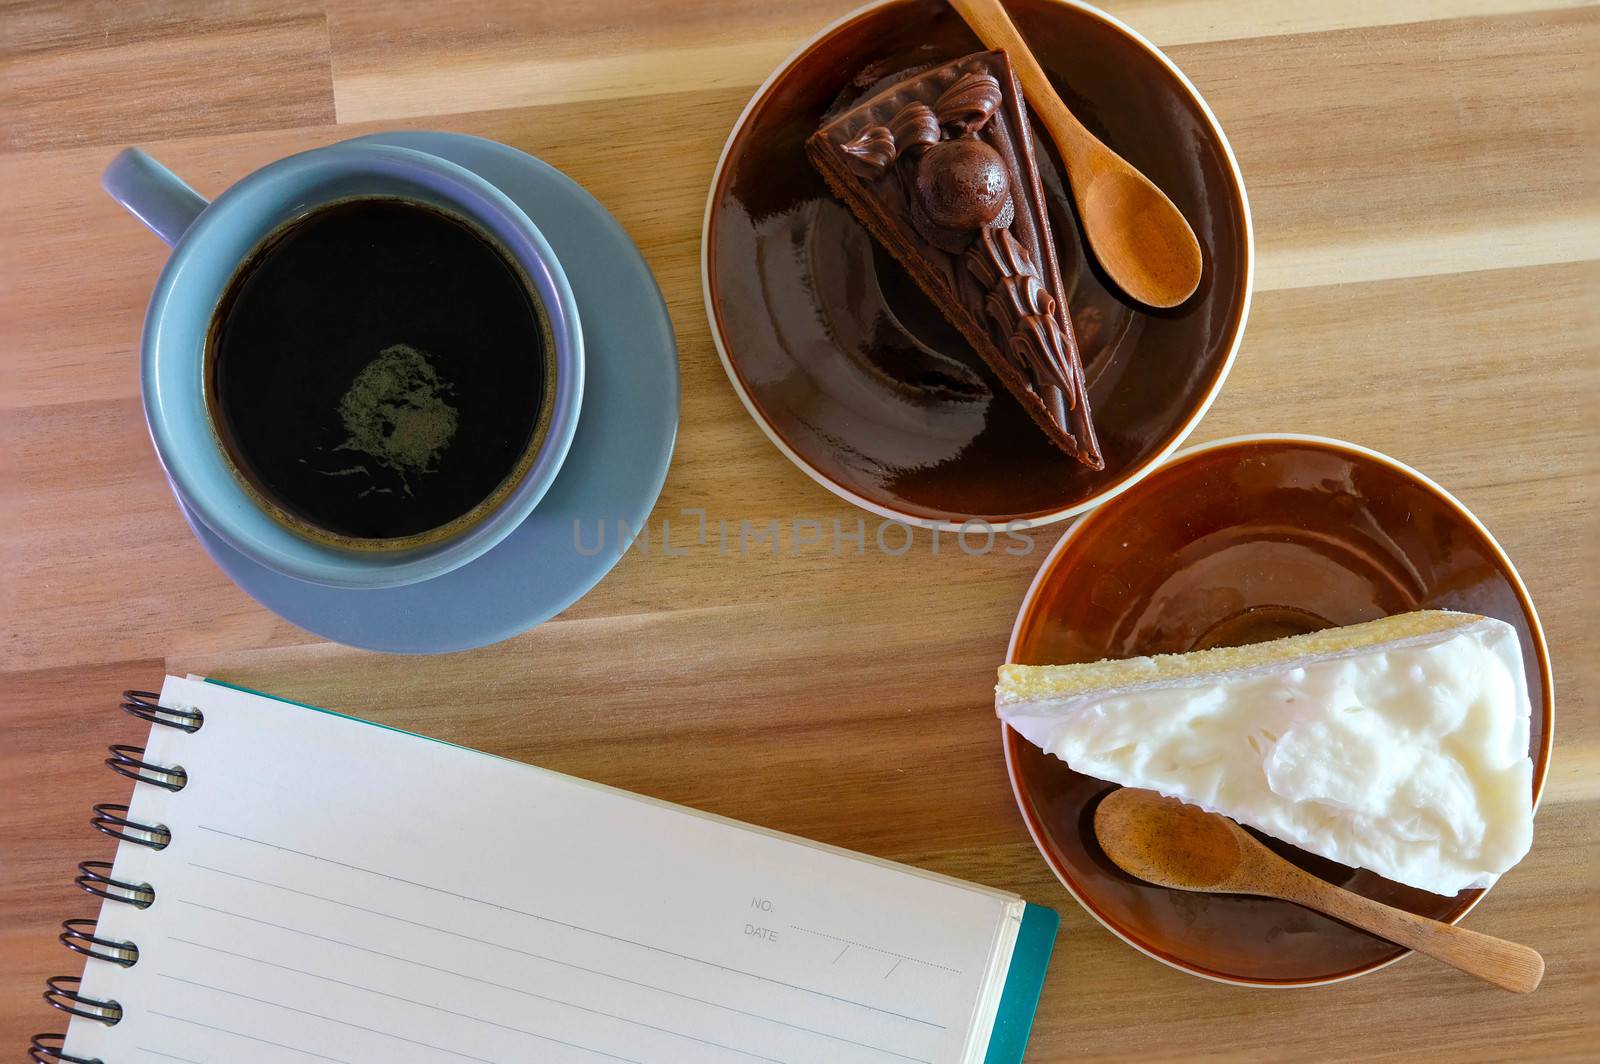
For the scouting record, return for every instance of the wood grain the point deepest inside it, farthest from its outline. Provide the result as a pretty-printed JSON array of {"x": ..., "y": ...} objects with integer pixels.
[
  {"x": 1424, "y": 190},
  {"x": 103, "y": 71}
]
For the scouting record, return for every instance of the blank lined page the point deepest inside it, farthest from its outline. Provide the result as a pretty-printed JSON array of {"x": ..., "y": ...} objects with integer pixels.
[{"x": 339, "y": 891}]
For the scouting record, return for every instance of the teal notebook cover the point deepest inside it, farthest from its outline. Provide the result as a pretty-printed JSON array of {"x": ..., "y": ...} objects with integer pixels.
[{"x": 1029, "y": 959}]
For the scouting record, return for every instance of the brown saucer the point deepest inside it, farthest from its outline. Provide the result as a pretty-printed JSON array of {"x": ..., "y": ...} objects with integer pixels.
[
  {"x": 853, "y": 373},
  {"x": 1235, "y": 542}
]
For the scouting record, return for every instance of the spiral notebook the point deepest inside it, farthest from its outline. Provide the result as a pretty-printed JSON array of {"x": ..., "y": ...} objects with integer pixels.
[{"x": 296, "y": 885}]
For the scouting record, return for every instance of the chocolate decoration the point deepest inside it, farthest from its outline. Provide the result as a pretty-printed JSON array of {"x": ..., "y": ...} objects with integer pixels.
[
  {"x": 964, "y": 213},
  {"x": 873, "y": 150},
  {"x": 966, "y": 106},
  {"x": 1019, "y": 303},
  {"x": 962, "y": 184},
  {"x": 915, "y": 126}
]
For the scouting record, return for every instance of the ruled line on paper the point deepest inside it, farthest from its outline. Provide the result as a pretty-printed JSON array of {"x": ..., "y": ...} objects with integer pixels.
[
  {"x": 536, "y": 956},
  {"x": 168, "y": 1056},
  {"x": 399, "y": 1037},
  {"x": 479, "y": 1019},
  {"x": 878, "y": 949},
  {"x": 250, "y": 1037},
  {"x": 546, "y": 919}
]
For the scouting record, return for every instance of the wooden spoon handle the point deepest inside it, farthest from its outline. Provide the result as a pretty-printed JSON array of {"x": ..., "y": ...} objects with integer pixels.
[
  {"x": 995, "y": 29},
  {"x": 1505, "y": 964}
]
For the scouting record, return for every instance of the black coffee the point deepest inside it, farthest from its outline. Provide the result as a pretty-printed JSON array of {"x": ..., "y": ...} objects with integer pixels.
[{"x": 377, "y": 369}]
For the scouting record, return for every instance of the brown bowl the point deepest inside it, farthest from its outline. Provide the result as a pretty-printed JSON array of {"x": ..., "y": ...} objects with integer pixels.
[
  {"x": 1230, "y": 543},
  {"x": 853, "y": 373}
]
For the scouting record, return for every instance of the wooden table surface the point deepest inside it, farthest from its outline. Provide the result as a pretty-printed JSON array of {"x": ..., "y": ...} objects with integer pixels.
[{"x": 1423, "y": 177}]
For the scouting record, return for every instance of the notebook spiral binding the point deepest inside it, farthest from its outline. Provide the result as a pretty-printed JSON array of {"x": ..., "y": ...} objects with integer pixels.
[{"x": 94, "y": 877}]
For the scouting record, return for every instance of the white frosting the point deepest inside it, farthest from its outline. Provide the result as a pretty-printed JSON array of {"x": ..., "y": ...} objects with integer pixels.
[{"x": 1409, "y": 758}]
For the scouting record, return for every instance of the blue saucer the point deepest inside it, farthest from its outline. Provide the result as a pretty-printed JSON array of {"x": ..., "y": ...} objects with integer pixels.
[{"x": 613, "y": 472}]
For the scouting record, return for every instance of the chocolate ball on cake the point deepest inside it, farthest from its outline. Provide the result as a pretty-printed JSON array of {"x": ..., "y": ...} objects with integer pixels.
[{"x": 962, "y": 183}]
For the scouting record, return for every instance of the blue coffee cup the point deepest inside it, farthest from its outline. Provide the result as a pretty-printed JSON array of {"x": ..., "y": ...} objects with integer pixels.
[{"x": 210, "y": 241}]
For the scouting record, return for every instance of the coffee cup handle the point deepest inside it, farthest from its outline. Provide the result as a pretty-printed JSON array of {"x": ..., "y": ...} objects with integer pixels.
[{"x": 153, "y": 194}]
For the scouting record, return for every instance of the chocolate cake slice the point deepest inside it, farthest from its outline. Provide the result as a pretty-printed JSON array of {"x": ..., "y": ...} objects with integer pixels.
[{"x": 940, "y": 169}]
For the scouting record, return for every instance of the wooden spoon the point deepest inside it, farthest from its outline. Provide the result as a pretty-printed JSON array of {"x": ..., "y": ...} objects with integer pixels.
[
  {"x": 1140, "y": 238},
  {"x": 1167, "y": 842}
]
